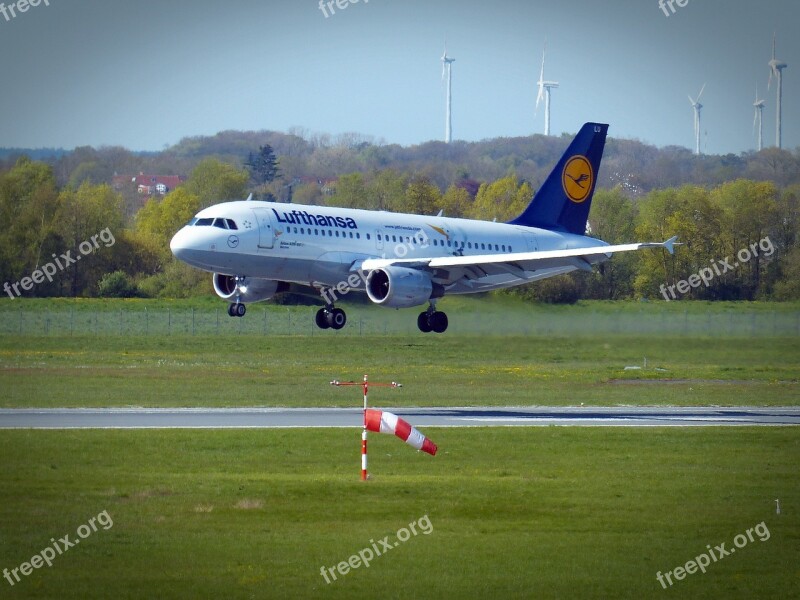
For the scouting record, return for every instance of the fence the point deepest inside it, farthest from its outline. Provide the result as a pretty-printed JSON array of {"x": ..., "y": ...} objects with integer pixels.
[{"x": 270, "y": 320}]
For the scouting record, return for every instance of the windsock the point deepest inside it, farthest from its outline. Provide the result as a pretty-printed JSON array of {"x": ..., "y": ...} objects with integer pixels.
[{"x": 386, "y": 422}]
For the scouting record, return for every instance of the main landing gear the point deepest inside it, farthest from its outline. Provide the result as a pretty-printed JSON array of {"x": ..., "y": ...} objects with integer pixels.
[
  {"x": 432, "y": 320},
  {"x": 331, "y": 317}
]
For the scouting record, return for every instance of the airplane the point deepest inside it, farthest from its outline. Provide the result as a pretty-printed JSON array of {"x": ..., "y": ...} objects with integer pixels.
[{"x": 257, "y": 249}]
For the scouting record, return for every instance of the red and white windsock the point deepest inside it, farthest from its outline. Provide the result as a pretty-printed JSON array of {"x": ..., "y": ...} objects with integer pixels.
[{"x": 386, "y": 422}]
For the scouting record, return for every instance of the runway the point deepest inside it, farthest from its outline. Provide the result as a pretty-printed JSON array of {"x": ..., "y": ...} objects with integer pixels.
[{"x": 537, "y": 416}]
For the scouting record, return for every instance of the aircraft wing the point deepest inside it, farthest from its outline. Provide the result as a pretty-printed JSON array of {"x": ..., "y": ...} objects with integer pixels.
[{"x": 518, "y": 263}]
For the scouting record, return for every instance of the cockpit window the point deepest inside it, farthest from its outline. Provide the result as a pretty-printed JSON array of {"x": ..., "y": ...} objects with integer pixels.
[
  {"x": 231, "y": 224},
  {"x": 221, "y": 223},
  {"x": 203, "y": 222},
  {"x": 192, "y": 222}
]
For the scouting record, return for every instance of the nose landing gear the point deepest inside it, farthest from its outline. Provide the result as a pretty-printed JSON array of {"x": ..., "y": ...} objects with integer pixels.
[{"x": 236, "y": 309}]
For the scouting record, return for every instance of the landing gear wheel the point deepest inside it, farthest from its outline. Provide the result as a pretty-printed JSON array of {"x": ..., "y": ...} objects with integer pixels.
[
  {"x": 236, "y": 309},
  {"x": 336, "y": 318},
  {"x": 438, "y": 322},
  {"x": 424, "y": 323},
  {"x": 322, "y": 319}
]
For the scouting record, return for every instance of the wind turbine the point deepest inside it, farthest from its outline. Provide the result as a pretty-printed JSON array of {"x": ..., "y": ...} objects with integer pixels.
[
  {"x": 697, "y": 108},
  {"x": 447, "y": 66},
  {"x": 758, "y": 117},
  {"x": 775, "y": 68},
  {"x": 544, "y": 92}
]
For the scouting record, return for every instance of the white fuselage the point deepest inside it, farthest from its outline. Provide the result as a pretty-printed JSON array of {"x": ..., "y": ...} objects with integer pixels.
[{"x": 322, "y": 246}]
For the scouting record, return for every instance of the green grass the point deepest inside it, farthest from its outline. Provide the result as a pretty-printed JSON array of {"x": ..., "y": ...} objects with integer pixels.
[
  {"x": 484, "y": 315},
  {"x": 458, "y": 370},
  {"x": 516, "y": 512}
]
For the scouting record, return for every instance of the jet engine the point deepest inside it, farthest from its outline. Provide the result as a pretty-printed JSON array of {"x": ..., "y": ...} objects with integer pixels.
[
  {"x": 250, "y": 289},
  {"x": 399, "y": 287}
]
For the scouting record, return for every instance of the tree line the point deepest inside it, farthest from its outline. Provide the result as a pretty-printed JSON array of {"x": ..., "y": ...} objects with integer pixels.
[
  {"x": 41, "y": 218},
  {"x": 306, "y": 157}
]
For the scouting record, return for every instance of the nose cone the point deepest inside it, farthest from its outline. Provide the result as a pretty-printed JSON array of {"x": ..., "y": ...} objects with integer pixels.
[{"x": 179, "y": 245}]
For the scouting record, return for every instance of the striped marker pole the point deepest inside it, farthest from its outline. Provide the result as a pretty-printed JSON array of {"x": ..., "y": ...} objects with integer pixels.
[
  {"x": 365, "y": 385},
  {"x": 364, "y": 473}
]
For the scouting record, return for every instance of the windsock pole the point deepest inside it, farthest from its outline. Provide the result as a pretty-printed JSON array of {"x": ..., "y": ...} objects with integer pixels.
[
  {"x": 364, "y": 473},
  {"x": 365, "y": 385}
]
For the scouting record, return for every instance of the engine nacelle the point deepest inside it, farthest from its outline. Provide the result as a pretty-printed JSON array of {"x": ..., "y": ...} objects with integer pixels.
[
  {"x": 399, "y": 287},
  {"x": 250, "y": 289}
]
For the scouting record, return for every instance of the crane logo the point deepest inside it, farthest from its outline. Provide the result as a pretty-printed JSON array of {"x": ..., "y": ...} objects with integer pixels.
[
  {"x": 577, "y": 178},
  {"x": 439, "y": 230}
]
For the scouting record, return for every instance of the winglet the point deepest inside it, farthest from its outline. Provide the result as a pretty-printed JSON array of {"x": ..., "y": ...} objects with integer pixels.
[
  {"x": 250, "y": 197},
  {"x": 671, "y": 243}
]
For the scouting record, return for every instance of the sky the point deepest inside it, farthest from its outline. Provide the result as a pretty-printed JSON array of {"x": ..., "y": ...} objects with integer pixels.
[{"x": 145, "y": 74}]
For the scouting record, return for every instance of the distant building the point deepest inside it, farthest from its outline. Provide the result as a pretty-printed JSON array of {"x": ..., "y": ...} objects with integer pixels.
[
  {"x": 326, "y": 184},
  {"x": 148, "y": 185}
]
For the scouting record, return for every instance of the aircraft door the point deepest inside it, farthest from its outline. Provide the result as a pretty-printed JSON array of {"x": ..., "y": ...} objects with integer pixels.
[
  {"x": 266, "y": 232},
  {"x": 378, "y": 239},
  {"x": 530, "y": 240}
]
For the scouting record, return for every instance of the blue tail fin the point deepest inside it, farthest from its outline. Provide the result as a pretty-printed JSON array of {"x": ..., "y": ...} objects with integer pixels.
[{"x": 563, "y": 202}]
